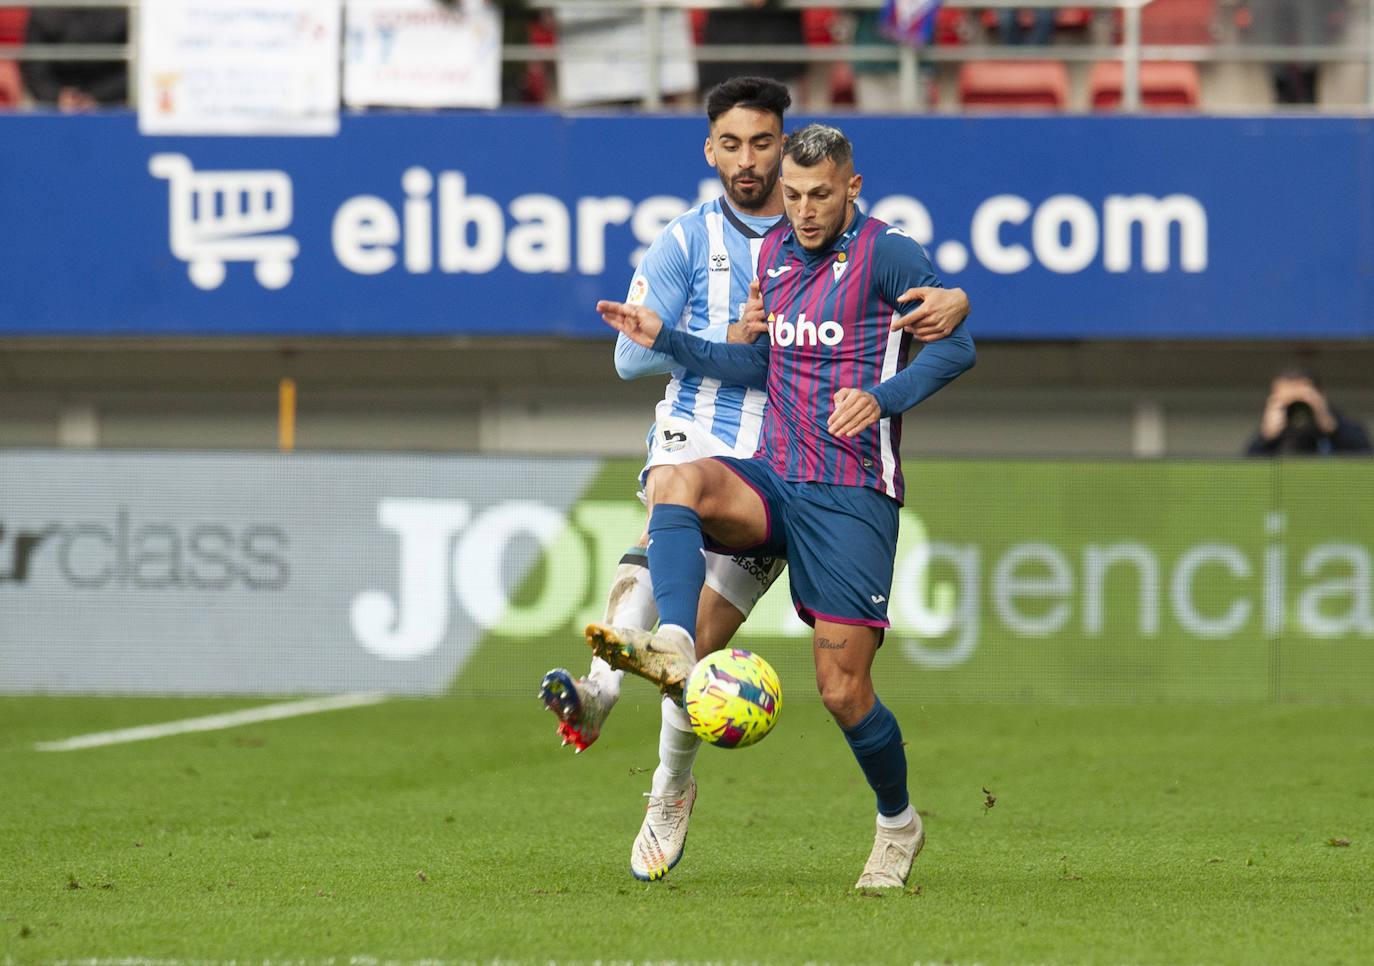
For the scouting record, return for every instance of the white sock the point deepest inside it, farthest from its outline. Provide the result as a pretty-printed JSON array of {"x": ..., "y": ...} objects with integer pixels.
[
  {"x": 896, "y": 821},
  {"x": 630, "y": 604},
  {"x": 691, "y": 644},
  {"x": 606, "y": 678},
  {"x": 631, "y": 601},
  {"x": 677, "y": 749}
]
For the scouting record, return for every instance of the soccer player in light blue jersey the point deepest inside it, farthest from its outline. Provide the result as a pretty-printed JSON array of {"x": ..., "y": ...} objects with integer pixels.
[
  {"x": 826, "y": 485},
  {"x": 697, "y": 275}
]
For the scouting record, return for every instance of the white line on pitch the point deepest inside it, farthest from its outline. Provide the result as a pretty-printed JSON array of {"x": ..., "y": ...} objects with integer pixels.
[{"x": 215, "y": 722}]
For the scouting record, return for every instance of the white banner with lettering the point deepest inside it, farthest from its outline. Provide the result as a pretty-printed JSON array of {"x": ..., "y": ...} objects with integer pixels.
[
  {"x": 238, "y": 67},
  {"x": 422, "y": 53},
  {"x": 602, "y": 53}
]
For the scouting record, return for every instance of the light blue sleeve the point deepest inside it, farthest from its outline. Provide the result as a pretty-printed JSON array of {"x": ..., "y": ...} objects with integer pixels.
[{"x": 663, "y": 282}]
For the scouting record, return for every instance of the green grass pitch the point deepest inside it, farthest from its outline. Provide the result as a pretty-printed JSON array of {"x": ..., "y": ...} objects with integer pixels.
[{"x": 457, "y": 831}]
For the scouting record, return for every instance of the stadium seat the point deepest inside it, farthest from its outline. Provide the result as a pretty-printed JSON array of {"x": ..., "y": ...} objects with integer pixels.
[
  {"x": 951, "y": 26},
  {"x": 1073, "y": 18},
  {"x": 1178, "y": 22},
  {"x": 11, "y": 84},
  {"x": 535, "y": 82},
  {"x": 1014, "y": 84},
  {"x": 822, "y": 27},
  {"x": 13, "y": 21},
  {"x": 1164, "y": 85}
]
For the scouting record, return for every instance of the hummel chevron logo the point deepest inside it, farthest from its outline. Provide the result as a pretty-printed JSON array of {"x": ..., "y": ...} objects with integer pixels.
[
  {"x": 775, "y": 272},
  {"x": 877, "y": 598}
]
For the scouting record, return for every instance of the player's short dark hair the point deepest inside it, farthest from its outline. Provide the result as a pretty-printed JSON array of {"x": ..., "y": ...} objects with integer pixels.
[
  {"x": 809, "y": 146},
  {"x": 759, "y": 93}
]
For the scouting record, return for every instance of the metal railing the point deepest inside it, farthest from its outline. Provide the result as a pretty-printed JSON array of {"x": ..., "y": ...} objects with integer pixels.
[{"x": 1131, "y": 52}]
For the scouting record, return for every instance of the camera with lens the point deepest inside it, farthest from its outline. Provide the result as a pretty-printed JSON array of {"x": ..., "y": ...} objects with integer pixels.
[{"x": 1300, "y": 433}]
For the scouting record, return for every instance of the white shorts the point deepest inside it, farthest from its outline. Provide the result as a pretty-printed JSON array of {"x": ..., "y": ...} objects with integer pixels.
[
  {"x": 739, "y": 578},
  {"x": 673, "y": 440}
]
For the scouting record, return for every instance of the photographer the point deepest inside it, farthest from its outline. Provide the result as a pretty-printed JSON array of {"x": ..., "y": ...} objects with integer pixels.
[{"x": 1298, "y": 420}]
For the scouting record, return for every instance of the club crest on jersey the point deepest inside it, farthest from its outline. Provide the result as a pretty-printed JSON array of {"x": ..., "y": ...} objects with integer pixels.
[
  {"x": 720, "y": 262},
  {"x": 671, "y": 434},
  {"x": 837, "y": 269},
  {"x": 803, "y": 332},
  {"x": 639, "y": 290}
]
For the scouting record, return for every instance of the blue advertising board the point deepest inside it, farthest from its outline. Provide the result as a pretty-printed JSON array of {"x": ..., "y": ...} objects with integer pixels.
[{"x": 514, "y": 224}]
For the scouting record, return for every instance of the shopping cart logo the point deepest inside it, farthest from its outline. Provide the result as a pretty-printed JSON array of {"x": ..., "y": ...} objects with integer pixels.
[{"x": 216, "y": 217}]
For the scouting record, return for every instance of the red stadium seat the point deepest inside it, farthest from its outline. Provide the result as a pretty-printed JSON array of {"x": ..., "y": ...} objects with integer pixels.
[
  {"x": 951, "y": 26},
  {"x": 1014, "y": 84},
  {"x": 11, "y": 84},
  {"x": 697, "y": 17},
  {"x": 13, "y": 21},
  {"x": 819, "y": 25},
  {"x": 1164, "y": 85},
  {"x": 534, "y": 83},
  {"x": 1187, "y": 22},
  {"x": 1073, "y": 18}
]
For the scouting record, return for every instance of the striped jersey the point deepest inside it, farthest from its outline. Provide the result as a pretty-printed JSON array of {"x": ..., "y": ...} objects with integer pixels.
[
  {"x": 829, "y": 318},
  {"x": 696, "y": 276}
]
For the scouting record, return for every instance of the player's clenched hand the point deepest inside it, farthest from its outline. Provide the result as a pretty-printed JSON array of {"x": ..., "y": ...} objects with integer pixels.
[
  {"x": 855, "y": 411},
  {"x": 753, "y": 321},
  {"x": 640, "y": 323},
  {"x": 939, "y": 312}
]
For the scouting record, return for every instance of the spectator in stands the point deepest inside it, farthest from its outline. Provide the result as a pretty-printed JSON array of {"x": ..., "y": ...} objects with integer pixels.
[
  {"x": 877, "y": 83},
  {"x": 77, "y": 85},
  {"x": 1011, "y": 25},
  {"x": 755, "y": 23},
  {"x": 1298, "y": 420}
]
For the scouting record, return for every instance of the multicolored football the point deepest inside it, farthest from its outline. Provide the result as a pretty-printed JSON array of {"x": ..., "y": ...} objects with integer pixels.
[{"x": 732, "y": 698}]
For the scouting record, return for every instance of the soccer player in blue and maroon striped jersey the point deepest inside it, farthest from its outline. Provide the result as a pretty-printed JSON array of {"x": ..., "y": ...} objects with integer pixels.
[{"x": 825, "y": 486}]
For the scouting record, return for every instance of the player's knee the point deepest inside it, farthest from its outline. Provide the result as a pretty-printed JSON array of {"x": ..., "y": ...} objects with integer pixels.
[
  {"x": 674, "y": 484},
  {"x": 846, "y": 697}
]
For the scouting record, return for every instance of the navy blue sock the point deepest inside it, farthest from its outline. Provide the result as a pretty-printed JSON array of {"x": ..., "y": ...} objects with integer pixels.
[
  {"x": 677, "y": 563},
  {"x": 877, "y": 743}
]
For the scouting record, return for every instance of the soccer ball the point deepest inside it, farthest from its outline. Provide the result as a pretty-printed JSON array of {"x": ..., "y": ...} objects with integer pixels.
[{"x": 732, "y": 698}]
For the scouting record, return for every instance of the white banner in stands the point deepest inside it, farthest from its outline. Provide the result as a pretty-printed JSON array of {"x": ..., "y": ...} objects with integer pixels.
[
  {"x": 422, "y": 53},
  {"x": 235, "y": 67},
  {"x": 592, "y": 67}
]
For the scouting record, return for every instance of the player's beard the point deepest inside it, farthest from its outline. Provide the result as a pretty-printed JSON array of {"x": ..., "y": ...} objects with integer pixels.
[
  {"x": 833, "y": 230},
  {"x": 753, "y": 198}
]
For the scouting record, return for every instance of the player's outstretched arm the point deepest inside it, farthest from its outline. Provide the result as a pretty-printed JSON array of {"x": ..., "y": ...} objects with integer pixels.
[
  {"x": 938, "y": 312},
  {"x": 633, "y": 361},
  {"x": 732, "y": 363},
  {"x": 638, "y": 323}
]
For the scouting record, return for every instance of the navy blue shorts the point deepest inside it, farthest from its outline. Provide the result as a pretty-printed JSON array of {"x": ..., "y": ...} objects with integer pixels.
[{"x": 840, "y": 543}]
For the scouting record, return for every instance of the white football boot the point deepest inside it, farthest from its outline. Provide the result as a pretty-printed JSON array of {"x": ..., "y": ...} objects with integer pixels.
[
  {"x": 661, "y": 838},
  {"x": 581, "y": 706},
  {"x": 665, "y": 658},
  {"x": 894, "y": 849}
]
